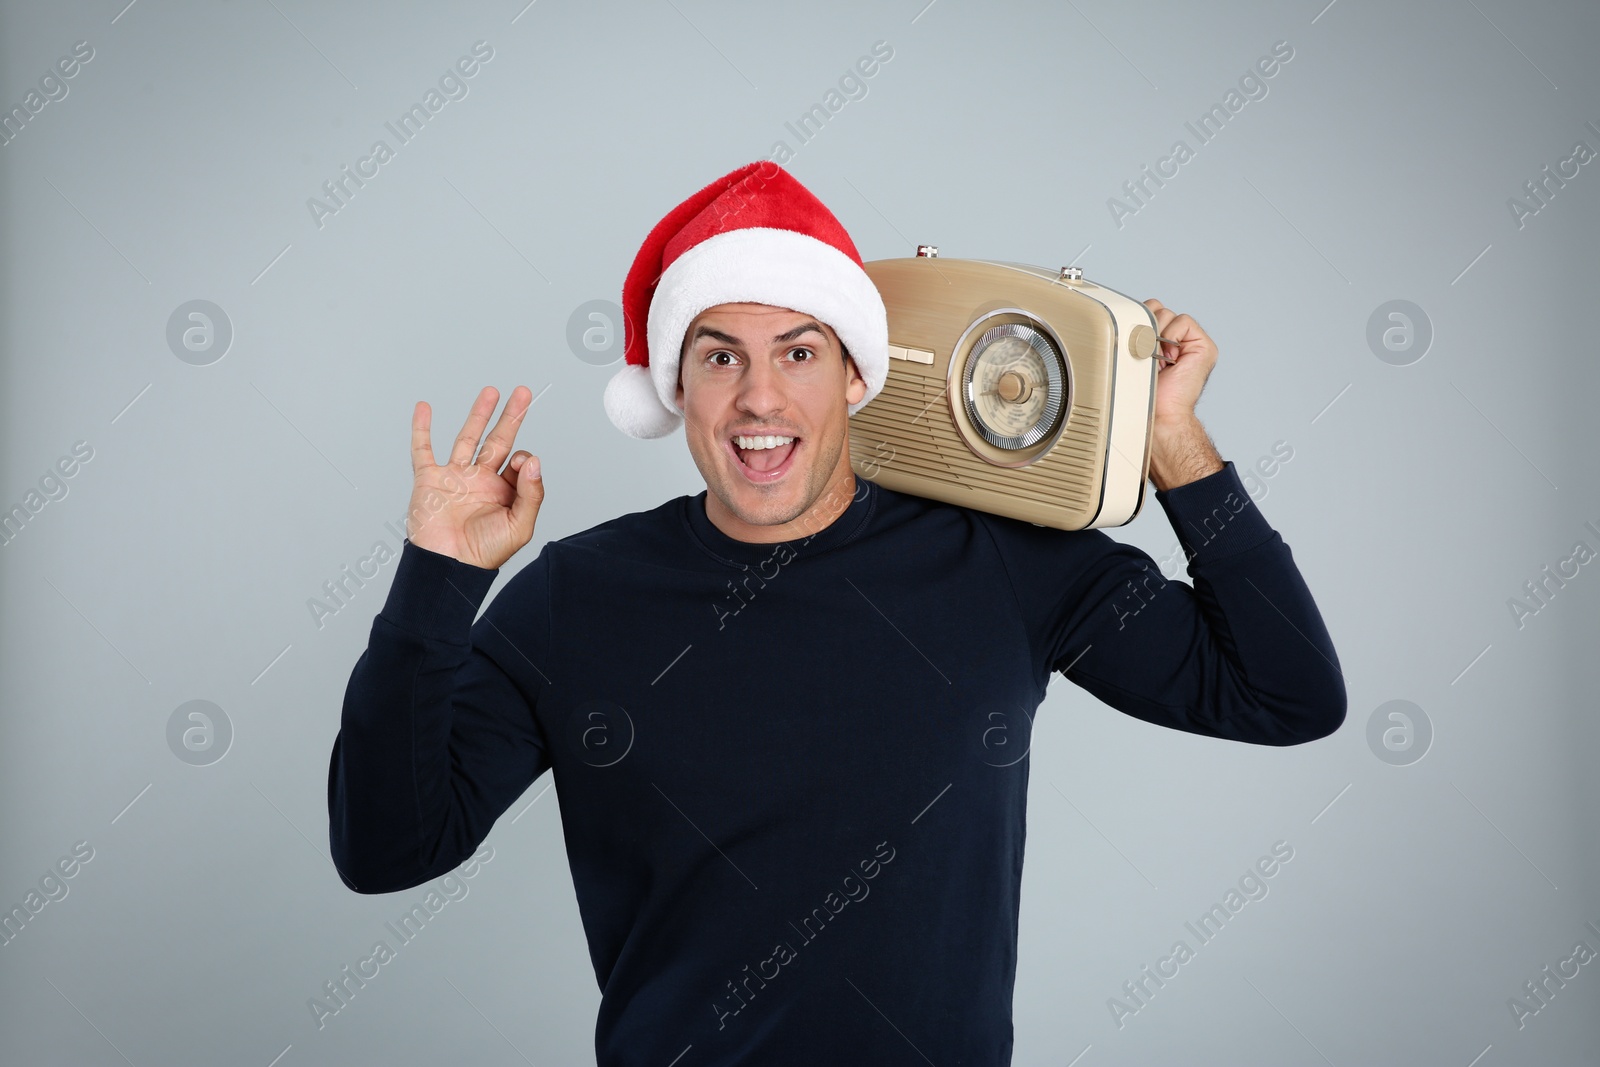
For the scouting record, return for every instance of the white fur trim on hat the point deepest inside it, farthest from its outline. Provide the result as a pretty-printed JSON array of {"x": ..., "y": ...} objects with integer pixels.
[
  {"x": 633, "y": 407},
  {"x": 758, "y": 265}
]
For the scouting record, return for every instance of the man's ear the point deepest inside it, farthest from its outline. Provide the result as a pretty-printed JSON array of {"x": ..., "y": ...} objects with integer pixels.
[{"x": 858, "y": 385}]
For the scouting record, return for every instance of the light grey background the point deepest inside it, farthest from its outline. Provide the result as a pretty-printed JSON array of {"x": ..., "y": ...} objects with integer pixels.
[{"x": 219, "y": 498}]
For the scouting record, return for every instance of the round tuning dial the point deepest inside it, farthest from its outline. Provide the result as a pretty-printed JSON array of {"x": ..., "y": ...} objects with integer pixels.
[{"x": 1014, "y": 385}]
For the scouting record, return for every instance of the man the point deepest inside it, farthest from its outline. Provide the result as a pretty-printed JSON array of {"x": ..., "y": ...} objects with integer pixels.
[{"x": 787, "y": 717}]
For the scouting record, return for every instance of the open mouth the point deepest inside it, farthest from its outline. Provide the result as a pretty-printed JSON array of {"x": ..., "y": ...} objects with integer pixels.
[{"x": 764, "y": 459}]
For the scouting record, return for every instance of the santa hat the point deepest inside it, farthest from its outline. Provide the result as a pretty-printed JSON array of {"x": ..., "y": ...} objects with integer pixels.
[{"x": 754, "y": 235}]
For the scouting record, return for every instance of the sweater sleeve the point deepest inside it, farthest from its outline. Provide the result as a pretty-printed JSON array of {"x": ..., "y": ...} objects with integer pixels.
[
  {"x": 1242, "y": 654},
  {"x": 437, "y": 735}
]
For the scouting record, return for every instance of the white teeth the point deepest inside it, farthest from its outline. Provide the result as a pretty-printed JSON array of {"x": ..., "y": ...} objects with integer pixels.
[{"x": 757, "y": 443}]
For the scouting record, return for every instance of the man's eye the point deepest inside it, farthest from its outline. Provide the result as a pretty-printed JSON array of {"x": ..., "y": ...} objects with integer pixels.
[
  {"x": 807, "y": 351},
  {"x": 714, "y": 355}
]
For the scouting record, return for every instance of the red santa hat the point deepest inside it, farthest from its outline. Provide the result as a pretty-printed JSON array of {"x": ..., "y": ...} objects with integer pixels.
[{"x": 754, "y": 235}]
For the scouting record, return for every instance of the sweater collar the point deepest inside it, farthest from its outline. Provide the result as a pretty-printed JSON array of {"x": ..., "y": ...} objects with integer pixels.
[{"x": 851, "y": 523}]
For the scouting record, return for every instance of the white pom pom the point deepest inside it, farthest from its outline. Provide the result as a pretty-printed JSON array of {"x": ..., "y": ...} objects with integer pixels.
[{"x": 633, "y": 406}]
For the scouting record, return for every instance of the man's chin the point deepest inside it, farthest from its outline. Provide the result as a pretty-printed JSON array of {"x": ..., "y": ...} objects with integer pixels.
[{"x": 764, "y": 506}]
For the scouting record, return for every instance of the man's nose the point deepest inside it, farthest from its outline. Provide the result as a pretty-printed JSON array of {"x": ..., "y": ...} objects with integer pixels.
[{"x": 762, "y": 388}]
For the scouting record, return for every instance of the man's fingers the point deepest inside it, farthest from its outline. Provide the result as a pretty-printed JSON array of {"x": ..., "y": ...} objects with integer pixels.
[
  {"x": 472, "y": 431},
  {"x": 421, "y": 439},
  {"x": 514, "y": 467},
  {"x": 530, "y": 494},
  {"x": 505, "y": 431}
]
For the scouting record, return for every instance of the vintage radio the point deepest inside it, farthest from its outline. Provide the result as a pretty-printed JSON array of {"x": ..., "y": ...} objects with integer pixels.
[{"x": 1012, "y": 389}]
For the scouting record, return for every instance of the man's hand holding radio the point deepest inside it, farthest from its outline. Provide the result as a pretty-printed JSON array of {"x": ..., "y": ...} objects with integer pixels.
[
  {"x": 1180, "y": 449},
  {"x": 469, "y": 508}
]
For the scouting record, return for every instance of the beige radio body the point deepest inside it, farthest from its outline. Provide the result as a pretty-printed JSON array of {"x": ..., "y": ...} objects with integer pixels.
[{"x": 1012, "y": 389}]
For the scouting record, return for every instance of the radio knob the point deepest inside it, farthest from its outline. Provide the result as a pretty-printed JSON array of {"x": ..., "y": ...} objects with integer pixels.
[{"x": 1142, "y": 342}]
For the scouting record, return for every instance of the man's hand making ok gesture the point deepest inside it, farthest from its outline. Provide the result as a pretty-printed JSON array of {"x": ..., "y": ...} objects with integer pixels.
[{"x": 469, "y": 508}]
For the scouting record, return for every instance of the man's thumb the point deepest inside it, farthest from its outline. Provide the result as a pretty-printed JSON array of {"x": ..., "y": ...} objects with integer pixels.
[{"x": 530, "y": 494}]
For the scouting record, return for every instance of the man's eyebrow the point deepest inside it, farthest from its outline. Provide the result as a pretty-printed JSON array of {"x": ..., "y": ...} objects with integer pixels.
[{"x": 729, "y": 339}]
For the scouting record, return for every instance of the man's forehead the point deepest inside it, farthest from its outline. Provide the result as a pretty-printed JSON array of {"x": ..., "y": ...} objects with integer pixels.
[{"x": 761, "y": 322}]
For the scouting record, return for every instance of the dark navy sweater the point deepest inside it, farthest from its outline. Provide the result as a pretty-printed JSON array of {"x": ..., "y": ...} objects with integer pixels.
[{"x": 793, "y": 777}]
